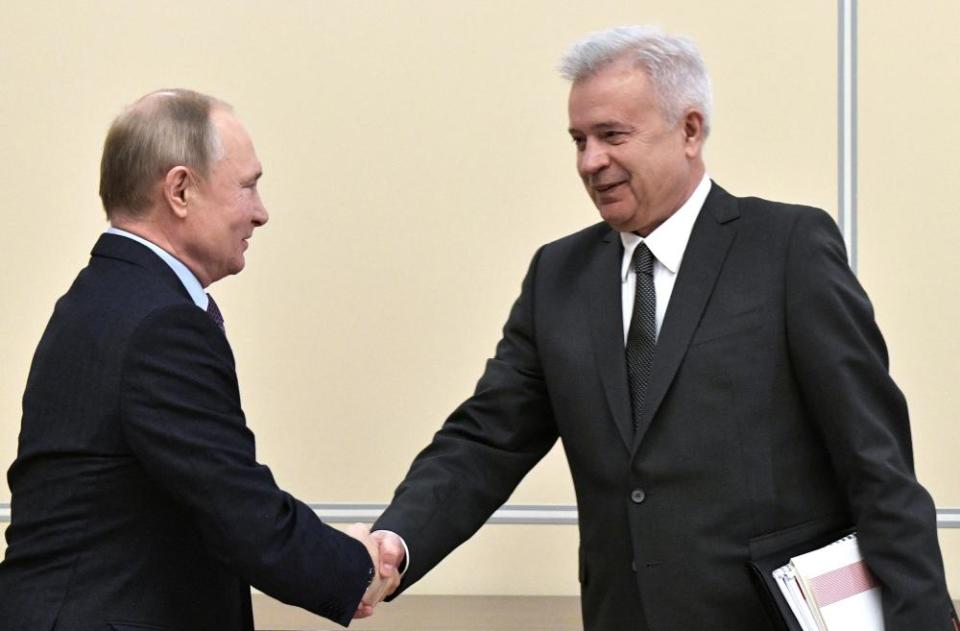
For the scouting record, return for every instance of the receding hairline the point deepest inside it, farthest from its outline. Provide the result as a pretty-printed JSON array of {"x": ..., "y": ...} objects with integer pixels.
[{"x": 152, "y": 100}]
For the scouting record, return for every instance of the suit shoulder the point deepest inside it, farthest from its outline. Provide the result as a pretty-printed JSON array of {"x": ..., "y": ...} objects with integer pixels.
[
  {"x": 585, "y": 238},
  {"x": 759, "y": 209},
  {"x": 131, "y": 286},
  {"x": 786, "y": 223},
  {"x": 110, "y": 298}
]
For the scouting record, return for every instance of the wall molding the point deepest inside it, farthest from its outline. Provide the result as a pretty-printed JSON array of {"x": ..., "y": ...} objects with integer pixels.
[
  {"x": 847, "y": 126},
  {"x": 509, "y": 514}
]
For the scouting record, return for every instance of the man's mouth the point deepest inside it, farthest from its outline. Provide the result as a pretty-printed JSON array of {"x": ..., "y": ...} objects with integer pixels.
[{"x": 603, "y": 188}]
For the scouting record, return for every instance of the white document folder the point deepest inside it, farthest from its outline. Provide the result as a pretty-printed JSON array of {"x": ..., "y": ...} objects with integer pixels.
[{"x": 838, "y": 591}]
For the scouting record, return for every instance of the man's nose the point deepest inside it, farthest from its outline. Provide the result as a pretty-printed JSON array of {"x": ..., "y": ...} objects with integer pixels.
[
  {"x": 593, "y": 158},
  {"x": 260, "y": 216}
]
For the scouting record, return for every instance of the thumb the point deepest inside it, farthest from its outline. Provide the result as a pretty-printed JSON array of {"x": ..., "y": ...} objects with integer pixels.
[{"x": 391, "y": 551}]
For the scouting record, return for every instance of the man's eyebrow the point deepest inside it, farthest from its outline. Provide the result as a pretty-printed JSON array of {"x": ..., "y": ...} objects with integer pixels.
[
  {"x": 608, "y": 124},
  {"x": 601, "y": 126}
]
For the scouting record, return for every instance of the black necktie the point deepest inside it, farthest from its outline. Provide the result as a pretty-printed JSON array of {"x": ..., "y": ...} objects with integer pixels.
[
  {"x": 214, "y": 312},
  {"x": 642, "y": 336}
]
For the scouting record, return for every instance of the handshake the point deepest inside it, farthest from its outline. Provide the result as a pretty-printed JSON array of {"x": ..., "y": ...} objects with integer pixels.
[{"x": 387, "y": 553}]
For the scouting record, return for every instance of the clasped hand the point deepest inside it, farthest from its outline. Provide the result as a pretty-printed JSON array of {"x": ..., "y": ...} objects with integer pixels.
[{"x": 386, "y": 553}]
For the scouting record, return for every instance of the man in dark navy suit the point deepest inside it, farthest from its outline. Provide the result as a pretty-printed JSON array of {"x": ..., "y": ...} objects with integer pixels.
[{"x": 137, "y": 500}]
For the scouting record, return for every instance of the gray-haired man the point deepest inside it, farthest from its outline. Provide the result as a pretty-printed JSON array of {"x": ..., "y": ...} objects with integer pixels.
[{"x": 710, "y": 364}]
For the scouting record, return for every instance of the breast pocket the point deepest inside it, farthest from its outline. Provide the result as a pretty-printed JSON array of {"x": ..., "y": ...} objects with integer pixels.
[{"x": 715, "y": 329}]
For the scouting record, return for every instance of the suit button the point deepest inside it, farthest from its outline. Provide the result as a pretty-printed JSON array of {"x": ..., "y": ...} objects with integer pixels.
[
  {"x": 637, "y": 496},
  {"x": 633, "y": 565}
]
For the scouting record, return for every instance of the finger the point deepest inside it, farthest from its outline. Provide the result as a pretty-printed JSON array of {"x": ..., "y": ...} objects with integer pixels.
[{"x": 363, "y": 611}]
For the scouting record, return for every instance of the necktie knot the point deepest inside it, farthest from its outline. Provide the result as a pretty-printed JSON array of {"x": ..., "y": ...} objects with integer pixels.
[
  {"x": 214, "y": 312},
  {"x": 642, "y": 260}
]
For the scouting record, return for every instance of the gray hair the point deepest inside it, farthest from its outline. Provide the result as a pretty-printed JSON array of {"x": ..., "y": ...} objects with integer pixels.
[
  {"x": 161, "y": 130},
  {"x": 672, "y": 63}
]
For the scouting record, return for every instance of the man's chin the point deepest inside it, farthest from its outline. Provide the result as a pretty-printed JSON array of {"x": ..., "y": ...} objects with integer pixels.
[
  {"x": 616, "y": 218},
  {"x": 234, "y": 267}
]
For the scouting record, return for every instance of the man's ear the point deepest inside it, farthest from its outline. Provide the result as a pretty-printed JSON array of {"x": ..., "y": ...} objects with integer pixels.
[
  {"x": 693, "y": 132},
  {"x": 178, "y": 187}
]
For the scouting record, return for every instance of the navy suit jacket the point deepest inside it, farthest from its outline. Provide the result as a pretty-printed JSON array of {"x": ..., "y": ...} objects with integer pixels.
[
  {"x": 770, "y": 419},
  {"x": 137, "y": 501}
]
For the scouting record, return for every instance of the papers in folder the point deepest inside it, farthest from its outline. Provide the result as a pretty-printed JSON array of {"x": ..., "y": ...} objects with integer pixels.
[{"x": 831, "y": 589}]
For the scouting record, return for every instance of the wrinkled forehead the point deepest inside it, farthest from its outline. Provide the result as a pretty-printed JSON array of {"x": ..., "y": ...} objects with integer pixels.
[{"x": 616, "y": 84}]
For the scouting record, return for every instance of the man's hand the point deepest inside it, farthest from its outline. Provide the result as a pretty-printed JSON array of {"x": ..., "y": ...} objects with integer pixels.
[
  {"x": 387, "y": 553},
  {"x": 392, "y": 553},
  {"x": 374, "y": 593}
]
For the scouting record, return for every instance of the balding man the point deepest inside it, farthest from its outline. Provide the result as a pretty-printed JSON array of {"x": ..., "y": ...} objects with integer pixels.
[
  {"x": 137, "y": 499},
  {"x": 711, "y": 366}
]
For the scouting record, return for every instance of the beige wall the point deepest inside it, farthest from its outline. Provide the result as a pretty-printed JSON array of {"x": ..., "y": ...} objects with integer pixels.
[
  {"x": 415, "y": 156},
  {"x": 909, "y": 224}
]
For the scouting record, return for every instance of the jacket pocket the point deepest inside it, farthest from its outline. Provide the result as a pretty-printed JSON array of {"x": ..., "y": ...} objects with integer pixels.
[
  {"x": 134, "y": 626},
  {"x": 787, "y": 538},
  {"x": 730, "y": 325}
]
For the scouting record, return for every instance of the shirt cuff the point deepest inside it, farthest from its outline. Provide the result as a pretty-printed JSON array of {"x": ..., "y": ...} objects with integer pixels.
[{"x": 406, "y": 552}]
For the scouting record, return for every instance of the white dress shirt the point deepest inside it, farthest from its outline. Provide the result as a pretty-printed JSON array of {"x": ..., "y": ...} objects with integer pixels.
[{"x": 667, "y": 243}]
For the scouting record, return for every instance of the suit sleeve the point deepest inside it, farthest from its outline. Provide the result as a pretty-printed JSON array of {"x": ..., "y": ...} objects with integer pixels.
[
  {"x": 481, "y": 452},
  {"x": 181, "y": 414},
  {"x": 840, "y": 361}
]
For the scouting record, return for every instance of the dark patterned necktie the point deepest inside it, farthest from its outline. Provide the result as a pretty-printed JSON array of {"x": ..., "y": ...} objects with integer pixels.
[
  {"x": 214, "y": 312},
  {"x": 642, "y": 335}
]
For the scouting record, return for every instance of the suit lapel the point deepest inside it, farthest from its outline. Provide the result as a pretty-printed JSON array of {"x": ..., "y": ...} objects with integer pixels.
[
  {"x": 606, "y": 328},
  {"x": 712, "y": 235}
]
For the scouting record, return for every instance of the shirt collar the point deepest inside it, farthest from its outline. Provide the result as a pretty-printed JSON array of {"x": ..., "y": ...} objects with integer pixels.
[
  {"x": 669, "y": 240},
  {"x": 189, "y": 281}
]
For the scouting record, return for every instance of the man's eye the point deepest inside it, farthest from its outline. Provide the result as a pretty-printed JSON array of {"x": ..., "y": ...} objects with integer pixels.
[
  {"x": 614, "y": 136},
  {"x": 579, "y": 142}
]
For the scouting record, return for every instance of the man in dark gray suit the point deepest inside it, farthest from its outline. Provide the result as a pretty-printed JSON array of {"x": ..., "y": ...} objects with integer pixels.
[
  {"x": 137, "y": 501},
  {"x": 711, "y": 366}
]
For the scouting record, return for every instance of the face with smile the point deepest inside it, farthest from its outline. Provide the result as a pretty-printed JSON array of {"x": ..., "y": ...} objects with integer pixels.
[
  {"x": 223, "y": 209},
  {"x": 637, "y": 167}
]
